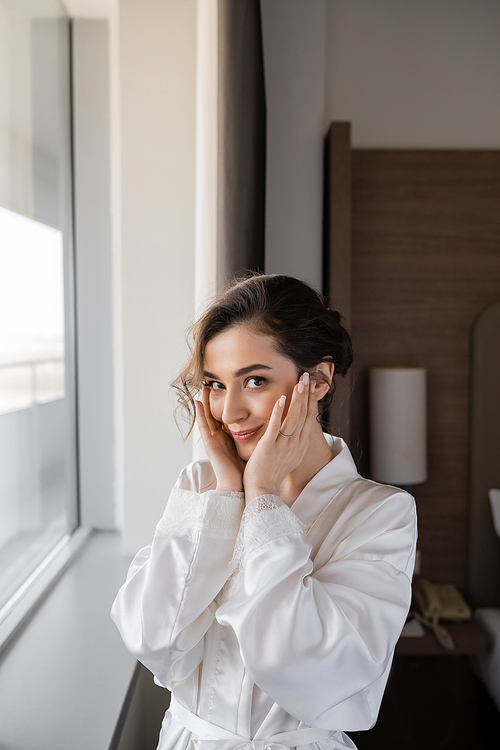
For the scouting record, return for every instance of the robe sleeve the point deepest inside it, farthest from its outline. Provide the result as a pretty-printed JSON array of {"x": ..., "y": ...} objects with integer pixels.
[
  {"x": 314, "y": 640},
  {"x": 166, "y": 605}
]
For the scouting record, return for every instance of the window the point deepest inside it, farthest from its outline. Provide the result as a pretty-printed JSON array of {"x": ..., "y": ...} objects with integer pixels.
[{"x": 38, "y": 478}]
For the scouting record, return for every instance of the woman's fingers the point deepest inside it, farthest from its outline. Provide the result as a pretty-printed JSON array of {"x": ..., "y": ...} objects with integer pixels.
[
  {"x": 297, "y": 412},
  {"x": 311, "y": 412},
  {"x": 205, "y": 395},
  {"x": 276, "y": 417},
  {"x": 277, "y": 454},
  {"x": 205, "y": 430},
  {"x": 305, "y": 398}
]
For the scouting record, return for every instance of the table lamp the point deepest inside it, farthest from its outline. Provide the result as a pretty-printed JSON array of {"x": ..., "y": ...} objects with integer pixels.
[{"x": 398, "y": 425}]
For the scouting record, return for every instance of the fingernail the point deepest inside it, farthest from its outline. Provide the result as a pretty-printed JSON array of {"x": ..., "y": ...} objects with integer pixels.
[
  {"x": 301, "y": 386},
  {"x": 282, "y": 400},
  {"x": 313, "y": 387},
  {"x": 305, "y": 377}
]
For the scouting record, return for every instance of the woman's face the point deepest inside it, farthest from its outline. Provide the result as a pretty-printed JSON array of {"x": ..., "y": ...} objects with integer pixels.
[{"x": 246, "y": 376}]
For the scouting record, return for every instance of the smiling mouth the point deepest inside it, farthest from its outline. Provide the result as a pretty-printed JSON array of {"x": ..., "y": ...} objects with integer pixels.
[{"x": 244, "y": 435}]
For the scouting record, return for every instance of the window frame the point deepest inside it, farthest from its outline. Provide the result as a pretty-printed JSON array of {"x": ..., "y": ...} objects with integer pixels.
[{"x": 41, "y": 578}]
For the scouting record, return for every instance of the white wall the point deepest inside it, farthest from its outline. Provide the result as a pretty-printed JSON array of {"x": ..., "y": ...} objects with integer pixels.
[
  {"x": 157, "y": 42},
  {"x": 412, "y": 74},
  {"x": 94, "y": 284},
  {"x": 294, "y": 65},
  {"x": 5, "y": 126},
  {"x": 206, "y": 152}
]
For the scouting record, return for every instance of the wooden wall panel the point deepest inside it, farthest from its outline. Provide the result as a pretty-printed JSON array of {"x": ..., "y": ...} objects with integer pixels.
[{"x": 425, "y": 262}]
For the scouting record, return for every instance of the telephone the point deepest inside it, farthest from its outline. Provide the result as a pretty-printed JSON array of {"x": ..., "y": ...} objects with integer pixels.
[
  {"x": 436, "y": 602},
  {"x": 441, "y": 600}
]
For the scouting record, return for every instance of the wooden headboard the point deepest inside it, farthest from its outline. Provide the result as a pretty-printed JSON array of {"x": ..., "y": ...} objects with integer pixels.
[
  {"x": 424, "y": 261},
  {"x": 484, "y": 544}
]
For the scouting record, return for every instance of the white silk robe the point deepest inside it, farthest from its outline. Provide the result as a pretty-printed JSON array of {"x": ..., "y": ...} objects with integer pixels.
[{"x": 269, "y": 619}]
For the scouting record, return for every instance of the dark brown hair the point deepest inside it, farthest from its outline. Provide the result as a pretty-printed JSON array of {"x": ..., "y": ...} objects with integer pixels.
[{"x": 304, "y": 330}]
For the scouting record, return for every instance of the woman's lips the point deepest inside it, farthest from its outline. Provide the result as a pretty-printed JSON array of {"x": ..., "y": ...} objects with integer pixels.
[{"x": 244, "y": 435}]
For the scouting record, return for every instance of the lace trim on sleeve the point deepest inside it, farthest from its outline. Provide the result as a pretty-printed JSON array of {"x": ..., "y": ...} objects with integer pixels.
[
  {"x": 188, "y": 514},
  {"x": 264, "y": 520},
  {"x": 230, "y": 493}
]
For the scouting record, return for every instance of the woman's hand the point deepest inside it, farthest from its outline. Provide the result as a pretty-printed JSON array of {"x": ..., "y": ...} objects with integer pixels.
[
  {"x": 276, "y": 456},
  {"x": 220, "y": 447}
]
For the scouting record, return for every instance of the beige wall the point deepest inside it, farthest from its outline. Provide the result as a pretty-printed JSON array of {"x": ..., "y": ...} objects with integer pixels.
[
  {"x": 412, "y": 74},
  {"x": 157, "y": 118},
  {"x": 294, "y": 65}
]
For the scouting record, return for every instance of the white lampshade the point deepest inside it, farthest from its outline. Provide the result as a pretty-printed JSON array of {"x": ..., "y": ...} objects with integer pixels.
[
  {"x": 398, "y": 425},
  {"x": 494, "y": 496}
]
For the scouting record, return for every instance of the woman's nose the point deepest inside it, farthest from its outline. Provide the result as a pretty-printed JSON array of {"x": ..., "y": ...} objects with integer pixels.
[{"x": 234, "y": 407}]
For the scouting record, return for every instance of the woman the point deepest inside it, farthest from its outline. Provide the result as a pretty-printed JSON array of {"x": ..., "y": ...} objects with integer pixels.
[{"x": 278, "y": 580}]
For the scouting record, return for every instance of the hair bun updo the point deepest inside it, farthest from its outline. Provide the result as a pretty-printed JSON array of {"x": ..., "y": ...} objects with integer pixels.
[{"x": 343, "y": 360}]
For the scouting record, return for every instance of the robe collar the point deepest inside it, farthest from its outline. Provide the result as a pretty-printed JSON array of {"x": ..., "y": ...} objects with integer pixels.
[{"x": 326, "y": 483}]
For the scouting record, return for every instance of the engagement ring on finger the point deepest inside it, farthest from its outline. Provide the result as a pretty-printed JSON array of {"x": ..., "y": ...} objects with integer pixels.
[{"x": 287, "y": 436}]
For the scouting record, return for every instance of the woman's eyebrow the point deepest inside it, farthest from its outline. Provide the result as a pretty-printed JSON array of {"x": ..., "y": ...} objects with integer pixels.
[
  {"x": 238, "y": 373},
  {"x": 250, "y": 368}
]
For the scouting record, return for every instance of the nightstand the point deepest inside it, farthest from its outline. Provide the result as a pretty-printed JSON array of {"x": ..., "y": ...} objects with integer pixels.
[
  {"x": 435, "y": 702},
  {"x": 469, "y": 637}
]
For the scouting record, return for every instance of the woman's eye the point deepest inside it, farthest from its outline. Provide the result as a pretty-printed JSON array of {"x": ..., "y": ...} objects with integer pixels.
[
  {"x": 214, "y": 385},
  {"x": 255, "y": 382}
]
